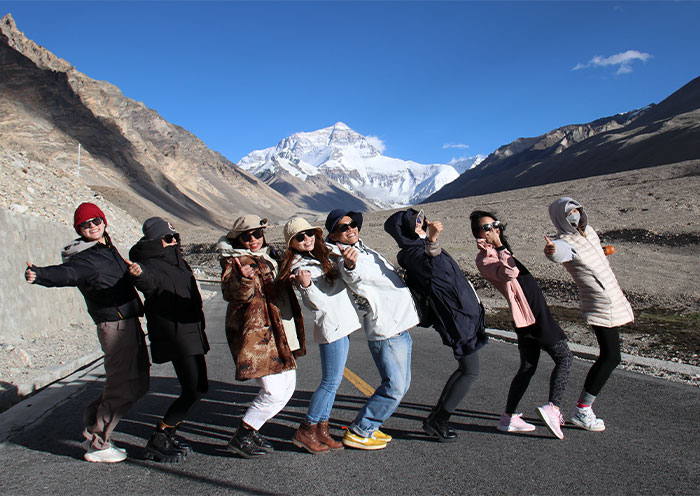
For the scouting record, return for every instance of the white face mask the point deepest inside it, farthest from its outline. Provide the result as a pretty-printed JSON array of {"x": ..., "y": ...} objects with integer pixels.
[{"x": 573, "y": 218}]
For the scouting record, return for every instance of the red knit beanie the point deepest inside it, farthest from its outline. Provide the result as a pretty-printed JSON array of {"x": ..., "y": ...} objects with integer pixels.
[{"x": 87, "y": 211}]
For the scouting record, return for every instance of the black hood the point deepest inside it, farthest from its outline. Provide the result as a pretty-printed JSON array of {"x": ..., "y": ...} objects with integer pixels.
[
  {"x": 147, "y": 249},
  {"x": 401, "y": 227}
]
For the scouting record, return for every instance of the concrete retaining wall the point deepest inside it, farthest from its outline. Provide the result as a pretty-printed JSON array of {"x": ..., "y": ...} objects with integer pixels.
[{"x": 29, "y": 311}]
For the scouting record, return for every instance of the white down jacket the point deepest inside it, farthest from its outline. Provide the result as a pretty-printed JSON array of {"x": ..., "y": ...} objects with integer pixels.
[
  {"x": 335, "y": 315},
  {"x": 601, "y": 299},
  {"x": 391, "y": 306}
]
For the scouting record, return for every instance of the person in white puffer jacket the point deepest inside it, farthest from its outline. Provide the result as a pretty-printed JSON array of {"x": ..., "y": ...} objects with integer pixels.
[
  {"x": 307, "y": 263},
  {"x": 577, "y": 246},
  {"x": 390, "y": 315}
]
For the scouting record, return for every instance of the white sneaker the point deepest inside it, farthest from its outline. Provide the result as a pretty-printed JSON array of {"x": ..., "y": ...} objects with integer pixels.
[
  {"x": 86, "y": 446},
  {"x": 107, "y": 455},
  {"x": 586, "y": 419}
]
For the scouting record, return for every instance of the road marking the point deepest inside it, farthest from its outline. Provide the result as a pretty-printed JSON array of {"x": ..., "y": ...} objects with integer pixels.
[{"x": 356, "y": 381}]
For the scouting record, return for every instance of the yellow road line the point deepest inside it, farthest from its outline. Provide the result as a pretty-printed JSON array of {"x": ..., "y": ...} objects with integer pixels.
[{"x": 356, "y": 381}]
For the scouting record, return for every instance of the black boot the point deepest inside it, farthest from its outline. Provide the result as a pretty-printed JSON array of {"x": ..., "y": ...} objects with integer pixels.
[
  {"x": 262, "y": 442},
  {"x": 438, "y": 424},
  {"x": 160, "y": 448},
  {"x": 242, "y": 443},
  {"x": 181, "y": 446}
]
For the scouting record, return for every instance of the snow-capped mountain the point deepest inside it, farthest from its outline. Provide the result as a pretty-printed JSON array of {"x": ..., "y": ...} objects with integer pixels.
[{"x": 350, "y": 160}]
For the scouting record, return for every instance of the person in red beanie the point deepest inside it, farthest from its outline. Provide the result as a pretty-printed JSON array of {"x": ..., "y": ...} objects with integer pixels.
[{"x": 93, "y": 265}]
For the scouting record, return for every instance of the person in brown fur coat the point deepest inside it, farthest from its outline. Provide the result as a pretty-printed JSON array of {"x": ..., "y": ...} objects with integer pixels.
[{"x": 264, "y": 328}]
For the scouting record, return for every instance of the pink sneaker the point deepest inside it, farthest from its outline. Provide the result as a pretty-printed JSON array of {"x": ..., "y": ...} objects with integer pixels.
[
  {"x": 514, "y": 423},
  {"x": 551, "y": 417}
]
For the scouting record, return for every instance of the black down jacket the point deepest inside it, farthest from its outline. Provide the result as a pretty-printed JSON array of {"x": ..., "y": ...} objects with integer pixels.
[
  {"x": 100, "y": 273},
  {"x": 173, "y": 302},
  {"x": 457, "y": 314}
]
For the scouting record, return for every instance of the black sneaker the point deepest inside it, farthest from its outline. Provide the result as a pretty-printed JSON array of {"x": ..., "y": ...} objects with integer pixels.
[
  {"x": 243, "y": 444},
  {"x": 160, "y": 449},
  {"x": 262, "y": 442}
]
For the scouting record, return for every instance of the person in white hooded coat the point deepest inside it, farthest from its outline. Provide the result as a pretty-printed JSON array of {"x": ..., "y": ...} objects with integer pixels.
[
  {"x": 577, "y": 246},
  {"x": 390, "y": 315},
  {"x": 323, "y": 292}
]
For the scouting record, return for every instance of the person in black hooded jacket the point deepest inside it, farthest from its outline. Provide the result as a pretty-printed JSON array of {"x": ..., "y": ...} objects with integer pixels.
[
  {"x": 175, "y": 327},
  {"x": 93, "y": 265},
  {"x": 447, "y": 301}
]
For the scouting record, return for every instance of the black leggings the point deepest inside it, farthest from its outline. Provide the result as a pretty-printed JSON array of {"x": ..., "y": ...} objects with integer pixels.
[
  {"x": 459, "y": 383},
  {"x": 609, "y": 358},
  {"x": 192, "y": 373},
  {"x": 529, "y": 357}
]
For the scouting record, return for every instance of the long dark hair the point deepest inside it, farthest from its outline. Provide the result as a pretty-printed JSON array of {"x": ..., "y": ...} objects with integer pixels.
[
  {"x": 320, "y": 252},
  {"x": 475, "y": 218}
]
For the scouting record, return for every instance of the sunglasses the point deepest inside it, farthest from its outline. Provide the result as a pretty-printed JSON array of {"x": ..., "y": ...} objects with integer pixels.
[
  {"x": 309, "y": 233},
  {"x": 248, "y": 235},
  {"x": 86, "y": 225},
  {"x": 494, "y": 225},
  {"x": 345, "y": 227},
  {"x": 168, "y": 238}
]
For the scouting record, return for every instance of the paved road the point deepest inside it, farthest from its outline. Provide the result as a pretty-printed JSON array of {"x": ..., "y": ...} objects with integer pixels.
[{"x": 651, "y": 445}]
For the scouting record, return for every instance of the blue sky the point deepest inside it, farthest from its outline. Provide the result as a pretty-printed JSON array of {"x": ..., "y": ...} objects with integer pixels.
[{"x": 432, "y": 81}]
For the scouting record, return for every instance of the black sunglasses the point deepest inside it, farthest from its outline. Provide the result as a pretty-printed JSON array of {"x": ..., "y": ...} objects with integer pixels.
[
  {"x": 86, "y": 225},
  {"x": 309, "y": 233},
  {"x": 345, "y": 227},
  {"x": 248, "y": 235},
  {"x": 494, "y": 225},
  {"x": 168, "y": 238}
]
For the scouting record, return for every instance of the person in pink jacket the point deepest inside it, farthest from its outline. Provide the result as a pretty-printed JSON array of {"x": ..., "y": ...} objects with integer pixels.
[{"x": 533, "y": 322}]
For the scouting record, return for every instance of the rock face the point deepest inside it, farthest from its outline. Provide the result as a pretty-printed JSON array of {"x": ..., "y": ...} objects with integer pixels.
[
  {"x": 129, "y": 154},
  {"x": 339, "y": 161},
  {"x": 660, "y": 134}
]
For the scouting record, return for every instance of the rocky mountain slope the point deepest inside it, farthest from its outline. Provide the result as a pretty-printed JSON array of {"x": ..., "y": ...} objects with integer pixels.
[
  {"x": 129, "y": 154},
  {"x": 339, "y": 156},
  {"x": 666, "y": 133}
]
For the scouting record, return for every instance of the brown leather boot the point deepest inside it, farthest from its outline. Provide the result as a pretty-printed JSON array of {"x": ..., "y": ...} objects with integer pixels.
[
  {"x": 324, "y": 436},
  {"x": 305, "y": 438}
]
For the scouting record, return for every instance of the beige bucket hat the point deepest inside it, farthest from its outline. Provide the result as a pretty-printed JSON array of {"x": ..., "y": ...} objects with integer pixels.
[
  {"x": 295, "y": 225},
  {"x": 246, "y": 223}
]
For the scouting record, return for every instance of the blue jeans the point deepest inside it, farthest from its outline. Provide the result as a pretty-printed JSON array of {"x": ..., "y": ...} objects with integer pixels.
[
  {"x": 393, "y": 359},
  {"x": 333, "y": 358}
]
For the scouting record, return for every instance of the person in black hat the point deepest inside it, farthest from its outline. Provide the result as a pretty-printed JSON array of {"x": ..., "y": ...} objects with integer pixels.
[
  {"x": 175, "y": 327},
  {"x": 390, "y": 315}
]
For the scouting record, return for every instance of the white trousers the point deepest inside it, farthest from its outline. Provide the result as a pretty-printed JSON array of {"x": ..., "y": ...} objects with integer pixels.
[{"x": 275, "y": 391}]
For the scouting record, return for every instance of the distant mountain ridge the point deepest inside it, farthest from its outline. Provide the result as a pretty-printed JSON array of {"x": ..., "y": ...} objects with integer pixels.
[
  {"x": 130, "y": 154},
  {"x": 349, "y": 160},
  {"x": 658, "y": 134}
]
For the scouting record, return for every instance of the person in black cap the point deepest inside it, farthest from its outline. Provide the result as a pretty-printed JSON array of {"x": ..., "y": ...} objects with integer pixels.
[
  {"x": 175, "y": 327},
  {"x": 390, "y": 315}
]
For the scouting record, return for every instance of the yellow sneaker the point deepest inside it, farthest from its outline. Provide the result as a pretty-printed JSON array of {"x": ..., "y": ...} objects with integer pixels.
[
  {"x": 382, "y": 436},
  {"x": 352, "y": 440}
]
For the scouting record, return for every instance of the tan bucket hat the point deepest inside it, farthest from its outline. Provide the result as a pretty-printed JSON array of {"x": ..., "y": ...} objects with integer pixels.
[
  {"x": 246, "y": 223},
  {"x": 295, "y": 225}
]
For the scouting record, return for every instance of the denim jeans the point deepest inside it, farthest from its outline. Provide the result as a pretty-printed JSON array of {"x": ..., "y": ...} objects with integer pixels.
[
  {"x": 333, "y": 358},
  {"x": 393, "y": 359}
]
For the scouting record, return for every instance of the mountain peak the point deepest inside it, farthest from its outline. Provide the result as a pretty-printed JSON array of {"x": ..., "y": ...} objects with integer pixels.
[{"x": 348, "y": 158}]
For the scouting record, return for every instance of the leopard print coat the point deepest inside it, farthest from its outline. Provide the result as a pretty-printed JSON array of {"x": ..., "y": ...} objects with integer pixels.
[{"x": 254, "y": 327}]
